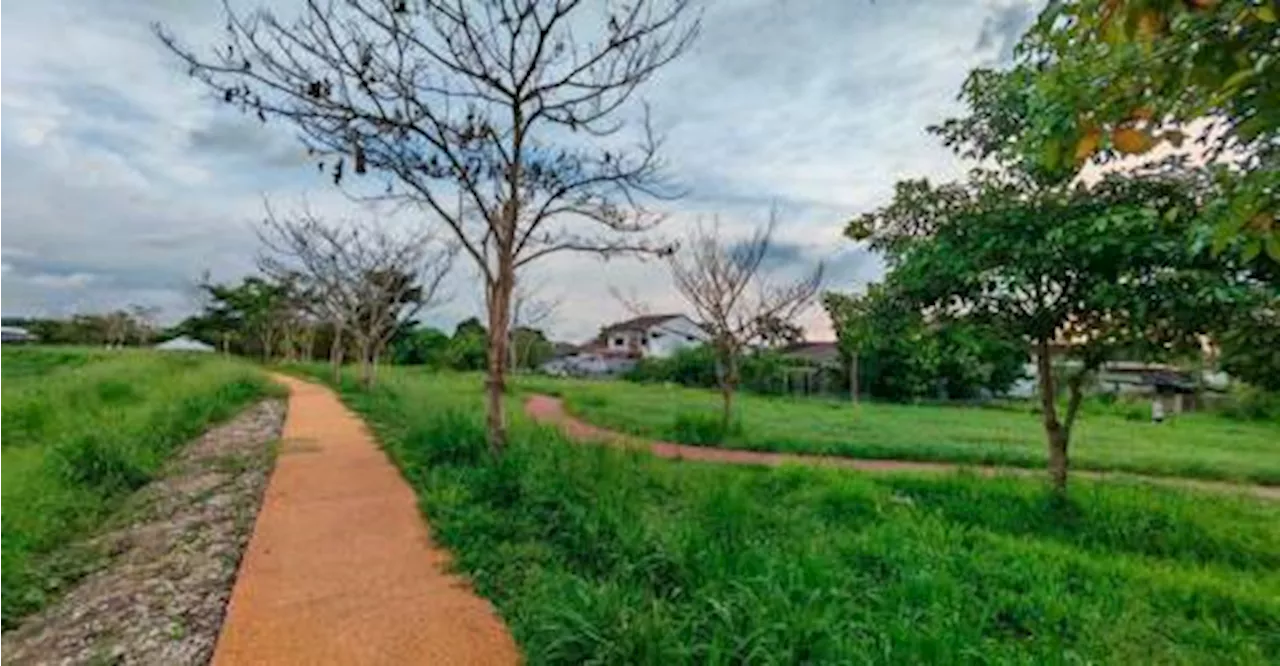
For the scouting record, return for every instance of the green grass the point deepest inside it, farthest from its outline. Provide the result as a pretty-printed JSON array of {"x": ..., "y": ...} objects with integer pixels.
[
  {"x": 598, "y": 556},
  {"x": 18, "y": 364},
  {"x": 81, "y": 430},
  {"x": 1193, "y": 445}
]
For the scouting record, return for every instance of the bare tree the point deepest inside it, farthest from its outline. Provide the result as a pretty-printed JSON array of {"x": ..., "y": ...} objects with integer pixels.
[
  {"x": 144, "y": 322},
  {"x": 117, "y": 325},
  {"x": 292, "y": 316},
  {"x": 722, "y": 282},
  {"x": 514, "y": 106},
  {"x": 362, "y": 279}
]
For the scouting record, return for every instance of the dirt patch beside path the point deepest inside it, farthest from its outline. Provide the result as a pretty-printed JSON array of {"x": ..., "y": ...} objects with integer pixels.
[
  {"x": 546, "y": 409},
  {"x": 169, "y": 565}
]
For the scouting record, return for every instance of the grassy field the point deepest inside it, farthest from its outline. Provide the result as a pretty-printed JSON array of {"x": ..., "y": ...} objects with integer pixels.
[
  {"x": 21, "y": 365},
  {"x": 597, "y": 556},
  {"x": 1193, "y": 445},
  {"x": 82, "y": 428}
]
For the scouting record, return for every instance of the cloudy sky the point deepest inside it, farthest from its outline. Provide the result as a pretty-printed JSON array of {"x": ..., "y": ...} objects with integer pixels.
[{"x": 124, "y": 181}]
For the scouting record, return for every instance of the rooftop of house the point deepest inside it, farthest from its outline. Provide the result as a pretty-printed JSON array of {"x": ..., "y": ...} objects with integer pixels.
[
  {"x": 641, "y": 323},
  {"x": 1138, "y": 366},
  {"x": 816, "y": 352}
]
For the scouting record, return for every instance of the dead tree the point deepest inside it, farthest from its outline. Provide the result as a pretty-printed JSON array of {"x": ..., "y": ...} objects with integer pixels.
[
  {"x": 722, "y": 282},
  {"x": 514, "y": 105},
  {"x": 361, "y": 278}
]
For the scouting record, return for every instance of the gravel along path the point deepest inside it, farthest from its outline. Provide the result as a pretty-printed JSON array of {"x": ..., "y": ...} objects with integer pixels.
[{"x": 159, "y": 595}]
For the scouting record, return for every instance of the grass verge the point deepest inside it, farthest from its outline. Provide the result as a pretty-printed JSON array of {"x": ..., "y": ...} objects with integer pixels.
[
  {"x": 599, "y": 556},
  {"x": 81, "y": 437},
  {"x": 1206, "y": 446}
]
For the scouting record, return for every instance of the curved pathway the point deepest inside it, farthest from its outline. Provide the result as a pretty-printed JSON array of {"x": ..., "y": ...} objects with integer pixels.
[
  {"x": 547, "y": 409},
  {"x": 341, "y": 568}
]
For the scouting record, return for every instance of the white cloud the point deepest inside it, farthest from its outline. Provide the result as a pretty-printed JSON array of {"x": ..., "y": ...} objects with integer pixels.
[
  {"x": 126, "y": 180},
  {"x": 69, "y": 281}
]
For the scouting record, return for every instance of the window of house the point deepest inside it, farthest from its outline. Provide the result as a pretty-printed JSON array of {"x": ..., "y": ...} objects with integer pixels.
[
  {"x": 655, "y": 335},
  {"x": 618, "y": 342}
]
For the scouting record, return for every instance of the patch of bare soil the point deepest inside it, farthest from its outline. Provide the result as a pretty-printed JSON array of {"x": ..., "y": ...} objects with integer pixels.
[{"x": 170, "y": 562}]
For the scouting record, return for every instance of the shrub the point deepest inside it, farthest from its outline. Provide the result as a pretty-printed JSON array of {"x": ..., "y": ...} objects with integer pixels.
[
  {"x": 1250, "y": 403},
  {"x": 92, "y": 461},
  {"x": 1129, "y": 408},
  {"x": 703, "y": 428},
  {"x": 762, "y": 372}
]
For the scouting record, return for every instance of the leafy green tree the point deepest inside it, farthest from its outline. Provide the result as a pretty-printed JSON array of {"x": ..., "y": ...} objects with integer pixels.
[
  {"x": 901, "y": 355},
  {"x": 885, "y": 336},
  {"x": 530, "y": 348},
  {"x": 468, "y": 348},
  {"x": 1250, "y": 345},
  {"x": 1098, "y": 79},
  {"x": 248, "y": 311},
  {"x": 420, "y": 346},
  {"x": 1098, "y": 272}
]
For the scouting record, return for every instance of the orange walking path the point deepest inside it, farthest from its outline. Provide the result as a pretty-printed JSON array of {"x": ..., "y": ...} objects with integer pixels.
[{"x": 341, "y": 568}]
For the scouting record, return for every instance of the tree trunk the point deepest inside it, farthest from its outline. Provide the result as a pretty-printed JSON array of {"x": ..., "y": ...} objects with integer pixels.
[
  {"x": 1058, "y": 460},
  {"x": 853, "y": 377},
  {"x": 365, "y": 349},
  {"x": 1054, "y": 432},
  {"x": 335, "y": 355},
  {"x": 728, "y": 384},
  {"x": 499, "y": 304}
]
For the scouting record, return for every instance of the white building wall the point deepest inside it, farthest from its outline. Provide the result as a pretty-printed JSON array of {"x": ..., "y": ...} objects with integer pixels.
[{"x": 669, "y": 337}]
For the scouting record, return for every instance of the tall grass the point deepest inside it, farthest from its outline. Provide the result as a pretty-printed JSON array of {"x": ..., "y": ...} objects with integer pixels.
[
  {"x": 79, "y": 438},
  {"x": 599, "y": 556},
  {"x": 23, "y": 363},
  {"x": 1199, "y": 445}
]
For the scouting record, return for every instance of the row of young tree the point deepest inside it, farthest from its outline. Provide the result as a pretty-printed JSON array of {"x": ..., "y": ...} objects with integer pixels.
[
  {"x": 1147, "y": 261},
  {"x": 340, "y": 290}
]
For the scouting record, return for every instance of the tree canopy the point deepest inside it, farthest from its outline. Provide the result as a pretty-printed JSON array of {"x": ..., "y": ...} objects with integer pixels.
[
  {"x": 1122, "y": 266},
  {"x": 1095, "y": 80}
]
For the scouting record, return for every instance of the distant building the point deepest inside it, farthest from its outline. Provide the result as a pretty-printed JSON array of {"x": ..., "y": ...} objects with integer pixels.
[
  {"x": 15, "y": 335},
  {"x": 652, "y": 336},
  {"x": 818, "y": 354},
  {"x": 619, "y": 346},
  {"x": 183, "y": 343},
  {"x": 1176, "y": 388}
]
